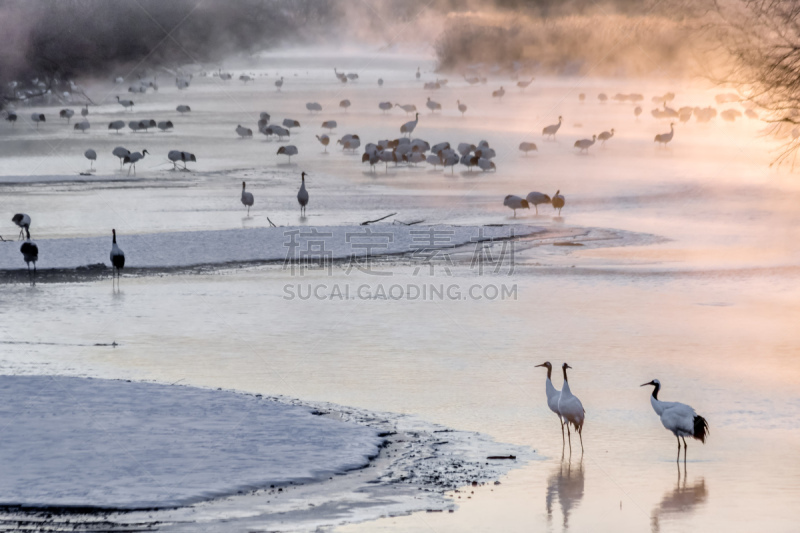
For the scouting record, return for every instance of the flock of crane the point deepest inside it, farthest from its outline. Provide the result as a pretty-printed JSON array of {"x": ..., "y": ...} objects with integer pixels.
[
  {"x": 402, "y": 150},
  {"x": 678, "y": 418}
]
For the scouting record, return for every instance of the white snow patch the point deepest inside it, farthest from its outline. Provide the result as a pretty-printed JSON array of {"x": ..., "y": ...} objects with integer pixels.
[
  {"x": 183, "y": 249},
  {"x": 116, "y": 444}
]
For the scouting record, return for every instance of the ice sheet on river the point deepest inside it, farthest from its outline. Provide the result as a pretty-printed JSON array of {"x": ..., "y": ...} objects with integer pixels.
[{"x": 301, "y": 243}]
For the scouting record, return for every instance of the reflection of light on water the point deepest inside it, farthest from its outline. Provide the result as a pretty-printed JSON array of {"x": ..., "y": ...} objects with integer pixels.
[
  {"x": 680, "y": 501},
  {"x": 565, "y": 484}
]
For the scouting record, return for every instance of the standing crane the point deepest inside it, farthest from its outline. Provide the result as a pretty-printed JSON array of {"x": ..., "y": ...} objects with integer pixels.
[
  {"x": 515, "y": 202},
  {"x": 247, "y": 198},
  {"x": 23, "y": 221},
  {"x": 117, "y": 257},
  {"x": 559, "y": 201},
  {"x": 678, "y": 418},
  {"x": 570, "y": 407},
  {"x": 664, "y": 138},
  {"x": 553, "y": 395},
  {"x": 30, "y": 253},
  {"x": 91, "y": 155},
  {"x": 536, "y": 198},
  {"x": 550, "y": 131},
  {"x": 302, "y": 195},
  {"x": 409, "y": 127}
]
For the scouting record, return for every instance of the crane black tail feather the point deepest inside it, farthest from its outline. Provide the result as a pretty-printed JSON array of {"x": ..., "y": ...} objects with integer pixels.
[{"x": 700, "y": 428}]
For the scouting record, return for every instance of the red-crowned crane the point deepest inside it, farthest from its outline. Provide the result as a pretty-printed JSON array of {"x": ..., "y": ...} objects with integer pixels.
[
  {"x": 288, "y": 150},
  {"x": 125, "y": 103},
  {"x": 584, "y": 144},
  {"x": 433, "y": 106},
  {"x": 528, "y": 147},
  {"x": 132, "y": 158},
  {"x": 67, "y": 114},
  {"x": 552, "y": 129},
  {"x": 23, "y": 221},
  {"x": 30, "y": 253},
  {"x": 408, "y": 108},
  {"x": 559, "y": 201},
  {"x": 117, "y": 257},
  {"x": 537, "y": 198},
  {"x": 678, "y": 418},
  {"x": 606, "y": 135},
  {"x": 515, "y": 202},
  {"x": 409, "y": 127},
  {"x": 325, "y": 141},
  {"x": 664, "y": 138},
  {"x": 571, "y": 409},
  {"x": 122, "y": 153},
  {"x": 302, "y": 195},
  {"x": 247, "y": 198},
  {"x": 91, "y": 155},
  {"x": 553, "y": 395}
]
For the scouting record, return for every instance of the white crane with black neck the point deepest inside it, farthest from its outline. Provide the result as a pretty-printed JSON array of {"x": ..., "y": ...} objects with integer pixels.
[
  {"x": 30, "y": 253},
  {"x": 302, "y": 195},
  {"x": 247, "y": 198},
  {"x": 550, "y": 131},
  {"x": 678, "y": 418},
  {"x": 117, "y": 257},
  {"x": 23, "y": 221}
]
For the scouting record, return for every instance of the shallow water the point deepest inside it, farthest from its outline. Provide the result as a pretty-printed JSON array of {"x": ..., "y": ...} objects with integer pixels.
[{"x": 710, "y": 311}]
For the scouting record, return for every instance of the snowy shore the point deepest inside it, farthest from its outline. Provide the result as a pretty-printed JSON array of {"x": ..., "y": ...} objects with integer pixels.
[{"x": 112, "y": 450}]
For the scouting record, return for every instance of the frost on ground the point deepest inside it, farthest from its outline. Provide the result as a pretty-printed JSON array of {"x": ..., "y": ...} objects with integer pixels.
[
  {"x": 302, "y": 244},
  {"x": 227, "y": 460}
]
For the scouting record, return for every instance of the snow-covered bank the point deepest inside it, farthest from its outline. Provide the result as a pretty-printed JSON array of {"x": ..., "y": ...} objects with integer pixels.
[
  {"x": 298, "y": 244},
  {"x": 124, "y": 445}
]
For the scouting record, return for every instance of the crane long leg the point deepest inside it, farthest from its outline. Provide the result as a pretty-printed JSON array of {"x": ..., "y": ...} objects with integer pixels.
[
  {"x": 679, "y": 449},
  {"x": 569, "y": 438},
  {"x": 580, "y": 434},
  {"x": 563, "y": 441},
  {"x": 685, "y": 447}
]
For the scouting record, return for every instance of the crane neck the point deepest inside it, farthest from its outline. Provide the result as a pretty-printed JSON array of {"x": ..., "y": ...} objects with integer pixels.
[
  {"x": 565, "y": 374},
  {"x": 549, "y": 372},
  {"x": 655, "y": 390}
]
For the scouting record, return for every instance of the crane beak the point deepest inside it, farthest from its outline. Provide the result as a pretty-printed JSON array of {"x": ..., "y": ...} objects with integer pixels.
[
  {"x": 646, "y": 384},
  {"x": 543, "y": 364}
]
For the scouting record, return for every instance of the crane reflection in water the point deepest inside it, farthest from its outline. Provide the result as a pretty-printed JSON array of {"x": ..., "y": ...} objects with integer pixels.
[{"x": 565, "y": 484}]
